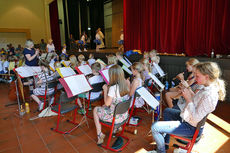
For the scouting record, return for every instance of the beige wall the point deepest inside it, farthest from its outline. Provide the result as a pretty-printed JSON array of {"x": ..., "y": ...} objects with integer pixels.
[
  {"x": 117, "y": 21},
  {"x": 26, "y": 14}
]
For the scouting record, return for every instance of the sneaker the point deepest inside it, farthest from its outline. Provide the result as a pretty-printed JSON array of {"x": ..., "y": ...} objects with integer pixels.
[
  {"x": 40, "y": 107},
  {"x": 101, "y": 138},
  {"x": 79, "y": 50},
  {"x": 81, "y": 111},
  {"x": 85, "y": 50}
]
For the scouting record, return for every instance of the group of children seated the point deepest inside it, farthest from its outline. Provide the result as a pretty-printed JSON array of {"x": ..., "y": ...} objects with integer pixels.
[
  {"x": 9, "y": 59},
  {"x": 120, "y": 87}
]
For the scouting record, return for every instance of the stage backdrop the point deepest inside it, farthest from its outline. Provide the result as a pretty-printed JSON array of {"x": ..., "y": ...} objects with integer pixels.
[{"x": 194, "y": 27}]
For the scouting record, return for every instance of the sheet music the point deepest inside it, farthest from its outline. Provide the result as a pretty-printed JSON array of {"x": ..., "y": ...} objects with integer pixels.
[
  {"x": 159, "y": 70},
  {"x": 156, "y": 80},
  {"x": 127, "y": 70},
  {"x": 52, "y": 67},
  {"x": 127, "y": 60},
  {"x": 148, "y": 97},
  {"x": 65, "y": 71},
  {"x": 85, "y": 69},
  {"x": 105, "y": 74},
  {"x": 77, "y": 84},
  {"x": 28, "y": 71},
  {"x": 66, "y": 63},
  {"x": 124, "y": 62}
]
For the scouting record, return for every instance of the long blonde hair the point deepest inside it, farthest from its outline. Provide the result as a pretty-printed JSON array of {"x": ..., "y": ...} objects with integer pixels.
[
  {"x": 192, "y": 61},
  {"x": 139, "y": 67},
  {"x": 213, "y": 71},
  {"x": 146, "y": 63},
  {"x": 73, "y": 61},
  {"x": 116, "y": 76}
]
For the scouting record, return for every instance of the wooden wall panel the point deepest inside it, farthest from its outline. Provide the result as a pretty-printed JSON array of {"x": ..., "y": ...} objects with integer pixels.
[{"x": 117, "y": 21}]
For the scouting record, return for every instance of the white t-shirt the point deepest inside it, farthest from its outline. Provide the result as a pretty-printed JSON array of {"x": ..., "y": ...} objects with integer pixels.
[
  {"x": 91, "y": 61},
  {"x": 50, "y": 47},
  {"x": 93, "y": 80},
  {"x": 114, "y": 92},
  {"x": 5, "y": 66}
]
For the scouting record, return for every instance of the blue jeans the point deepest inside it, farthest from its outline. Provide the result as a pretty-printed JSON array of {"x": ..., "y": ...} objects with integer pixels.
[{"x": 172, "y": 124}]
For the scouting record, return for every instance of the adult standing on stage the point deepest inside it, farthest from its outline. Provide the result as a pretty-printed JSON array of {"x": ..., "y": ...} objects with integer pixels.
[
  {"x": 121, "y": 41},
  {"x": 31, "y": 56},
  {"x": 50, "y": 46},
  {"x": 100, "y": 37}
]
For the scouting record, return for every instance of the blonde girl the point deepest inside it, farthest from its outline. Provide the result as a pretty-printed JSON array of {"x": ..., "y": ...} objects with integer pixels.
[
  {"x": 116, "y": 92},
  {"x": 137, "y": 70},
  {"x": 174, "y": 93},
  {"x": 81, "y": 59},
  {"x": 198, "y": 106}
]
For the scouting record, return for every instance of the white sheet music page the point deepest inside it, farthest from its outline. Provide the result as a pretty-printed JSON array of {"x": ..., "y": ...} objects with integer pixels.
[
  {"x": 127, "y": 69},
  {"x": 159, "y": 70},
  {"x": 66, "y": 71},
  {"x": 66, "y": 63},
  {"x": 124, "y": 62},
  {"x": 148, "y": 97},
  {"x": 78, "y": 84},
  {"x": 28, "y": 71},
  {"x": 127, "y": 60},
  {"x": 85, "y": 69},
  {"x": 156, "y": 80},
  {"x": 105, "y": 75}
]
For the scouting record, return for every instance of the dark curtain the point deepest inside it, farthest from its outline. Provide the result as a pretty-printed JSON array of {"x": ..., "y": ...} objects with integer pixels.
[
  {"x": 73, "y": 16},
  {"x": 193, "y": 27},
  {"x": 54, "y": 25},
  {"x": 84, "y": 16},
  {"x": 96, "y": 9}
]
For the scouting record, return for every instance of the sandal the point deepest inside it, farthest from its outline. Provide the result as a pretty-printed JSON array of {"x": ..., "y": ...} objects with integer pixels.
[{"x": 100, "y": 137}]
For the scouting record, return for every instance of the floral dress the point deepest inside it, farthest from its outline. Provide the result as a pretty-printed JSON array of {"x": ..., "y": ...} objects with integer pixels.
[{"x": 105, "y": 113}]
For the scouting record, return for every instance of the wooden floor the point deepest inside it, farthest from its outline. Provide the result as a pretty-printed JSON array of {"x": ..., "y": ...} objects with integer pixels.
[{"x": 21, "y": 135}]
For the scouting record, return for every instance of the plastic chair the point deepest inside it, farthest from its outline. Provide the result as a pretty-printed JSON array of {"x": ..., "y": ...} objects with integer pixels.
[
  {"x": 191, "y": 141},
  {"x": 120, "y": 108},
  {"x": 96, "y": 88},
  {"x": 49, "y": 85},
  {"x": 65, "y": 106}
]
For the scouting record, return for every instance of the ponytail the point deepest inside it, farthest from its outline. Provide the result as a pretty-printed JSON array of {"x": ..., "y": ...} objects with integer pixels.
[{"x": 221, "y": 89}]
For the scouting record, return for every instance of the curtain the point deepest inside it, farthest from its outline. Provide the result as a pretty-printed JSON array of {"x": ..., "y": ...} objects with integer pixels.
[
  {"x": 193, "y": 27},
  {"x": 54, "y": 25},
  {"x": 96, "y": 9},
  {"x": 84, "y": 16},
  {"x": 73, "y": 17}
]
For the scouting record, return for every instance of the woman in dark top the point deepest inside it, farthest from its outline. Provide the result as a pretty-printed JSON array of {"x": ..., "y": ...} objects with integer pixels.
[{"x": 31, "y": 56}]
